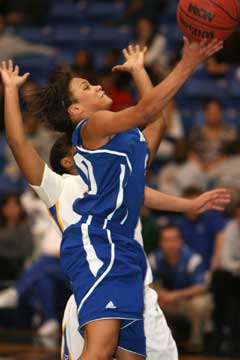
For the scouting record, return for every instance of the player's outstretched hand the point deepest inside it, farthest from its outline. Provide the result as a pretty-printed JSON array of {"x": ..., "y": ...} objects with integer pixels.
[
  {"x": 134, "y": 57},
  {"x": 194, "y": 53},
  {"x": 10, "y": 75},
  {"x": 212, "y": 200}
]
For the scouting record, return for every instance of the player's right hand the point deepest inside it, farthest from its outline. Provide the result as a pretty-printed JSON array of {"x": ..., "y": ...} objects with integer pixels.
[
  {"x": 195, "y": 53},
  {"x": 10, "y": 75}
]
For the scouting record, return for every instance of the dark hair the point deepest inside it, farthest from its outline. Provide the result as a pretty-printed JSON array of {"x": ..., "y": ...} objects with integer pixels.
[
  {"x": 59, "y": 150},
  {"x": 3, "y": 201},
  {"x": 52, "y": 101},
  {"x": 169, "y": 227}
]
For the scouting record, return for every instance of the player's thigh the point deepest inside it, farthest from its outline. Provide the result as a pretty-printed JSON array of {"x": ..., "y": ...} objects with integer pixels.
[
  {"x": 102, "y": 335},
  {"x": 122, "y": 354}
]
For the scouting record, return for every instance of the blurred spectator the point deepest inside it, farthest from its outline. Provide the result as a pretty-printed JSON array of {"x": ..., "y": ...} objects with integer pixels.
[
  {"x": 150, "y": 8},
  {"x": 226, "y": 287},
  {"x": 179, "y": 279},
  {"x": 227, "y": 173},
  {"x": 157, "y": 55},
  {"x": 44, "y": 275},
  {"x": 173, "y": 133},
  {"x": 38, "y": 136},
  {"x": 24, "y": 11},
  {"x": 149, "y": 230},
  {"x": 120, "y": 93},
  {"x": 185, "y": 170},
  {"x": 12, "y": 45},
  {"x": 16, "y": 242},
  {"x": 203, "y": 233},
  {"x": 27, "y": 91},
  {"x": 83, "y": 65},
  {"x": 111, "y": 59},
  {"x": 210, "y": 139},
  {"x": 216, "y": 68}
]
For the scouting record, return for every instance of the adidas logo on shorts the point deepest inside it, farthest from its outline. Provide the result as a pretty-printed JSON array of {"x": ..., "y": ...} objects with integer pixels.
[{"x": 110, "y": 305}]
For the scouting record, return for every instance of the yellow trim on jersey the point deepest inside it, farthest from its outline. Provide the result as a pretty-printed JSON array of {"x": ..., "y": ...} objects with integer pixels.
[{"x": 58, "y": 216}]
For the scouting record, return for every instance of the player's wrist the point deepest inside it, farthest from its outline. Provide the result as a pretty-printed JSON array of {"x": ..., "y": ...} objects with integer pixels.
[
  {"x": 135, "y": 70},
  {"x": 188, "y": 64},
  {"x": 11, "y": 87}
]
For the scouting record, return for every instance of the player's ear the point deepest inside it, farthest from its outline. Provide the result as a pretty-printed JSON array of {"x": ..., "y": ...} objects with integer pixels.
[{"x": 75, "y": 110}]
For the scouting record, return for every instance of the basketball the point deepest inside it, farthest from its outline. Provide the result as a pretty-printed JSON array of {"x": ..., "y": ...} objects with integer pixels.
[{"x": 208, "y": 19}]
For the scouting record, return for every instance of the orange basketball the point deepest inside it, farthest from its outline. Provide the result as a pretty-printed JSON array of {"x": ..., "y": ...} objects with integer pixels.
[{"x": 208, "y": 19}]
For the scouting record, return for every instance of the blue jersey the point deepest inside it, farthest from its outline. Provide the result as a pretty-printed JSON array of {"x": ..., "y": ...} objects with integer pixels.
[
  {"x": 200, "y": 233},
  {"x": 115, "y": 176},
  {"x": 188, "y": 271}
]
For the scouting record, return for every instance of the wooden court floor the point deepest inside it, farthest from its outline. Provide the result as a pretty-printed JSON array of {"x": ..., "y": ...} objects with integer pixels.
[{"x": 23, "y": 345}]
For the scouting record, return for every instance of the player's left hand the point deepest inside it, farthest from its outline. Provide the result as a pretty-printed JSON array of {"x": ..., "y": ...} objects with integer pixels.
[
  {"x": 134, "y": 57},
  {"x": 212, "y": 200}
]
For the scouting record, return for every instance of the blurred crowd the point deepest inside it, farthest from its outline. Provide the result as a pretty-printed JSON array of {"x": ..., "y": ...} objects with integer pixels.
[{"x": 195, "y": 258}]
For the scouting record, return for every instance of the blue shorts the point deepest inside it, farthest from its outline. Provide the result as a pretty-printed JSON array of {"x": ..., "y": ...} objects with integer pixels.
[{"x": 107, "y": 272}]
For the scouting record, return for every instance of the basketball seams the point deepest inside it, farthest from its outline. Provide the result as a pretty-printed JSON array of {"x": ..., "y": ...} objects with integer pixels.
[
  {"x": 202, "y": 23},
  {"x": 223, "y": 9}
]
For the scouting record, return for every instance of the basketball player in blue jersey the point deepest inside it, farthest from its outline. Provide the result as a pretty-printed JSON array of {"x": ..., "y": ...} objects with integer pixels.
[{"x": 108, "y": 231}]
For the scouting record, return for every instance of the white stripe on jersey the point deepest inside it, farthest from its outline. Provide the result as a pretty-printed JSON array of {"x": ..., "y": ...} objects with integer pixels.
[
  {"x": 120, "y": 191},
  {"x": 108, "y": 152},
  {"x": 100, "y": 279},
  {"x": 79, "y": 159},
  {"x": 94, "y": 262}
]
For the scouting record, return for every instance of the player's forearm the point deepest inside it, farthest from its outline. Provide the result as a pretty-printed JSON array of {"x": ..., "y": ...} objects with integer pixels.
[
  {"x": 153, "y": 132},
  {"x": 154, "y": 102},
  {"x": 12, "y": 117},
  {"x": 157, "y": 200},
  {"x": 142, "y": 81}
]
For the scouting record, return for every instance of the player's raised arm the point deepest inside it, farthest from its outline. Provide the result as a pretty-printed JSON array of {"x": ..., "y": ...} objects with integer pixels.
[
  {"x": 27, "y": 158},
  {"x": 103, "y": 124},
  {"x": 211, "y": 200},
  {"x": 134, "y": 64}
]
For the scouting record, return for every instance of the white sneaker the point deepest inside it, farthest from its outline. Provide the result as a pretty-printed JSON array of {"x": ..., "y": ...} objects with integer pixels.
[
  {"x": 50, "y": 327},
  {"x": 9, "y": 298}
]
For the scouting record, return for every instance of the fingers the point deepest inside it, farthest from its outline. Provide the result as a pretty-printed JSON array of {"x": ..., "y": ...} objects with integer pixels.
[
  {"x": 4, "y": 66},
  {"x": 16, "y": 70},
  {"x": 25, "y": 76},
  {"x": 132, "y": 50},
  {"x": 126, "y": 54},
  {"x": 212, "y": 47},
  {"x": 117, "y": 68}
]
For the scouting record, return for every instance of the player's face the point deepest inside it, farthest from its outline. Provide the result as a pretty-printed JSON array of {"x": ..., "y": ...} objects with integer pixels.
[
  {"x": 91, "y": 97},
  {"x": 171, "y": 242}
]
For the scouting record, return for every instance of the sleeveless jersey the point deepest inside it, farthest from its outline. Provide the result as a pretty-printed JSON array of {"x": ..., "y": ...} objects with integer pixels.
[{"x": 115, "y": 177}]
